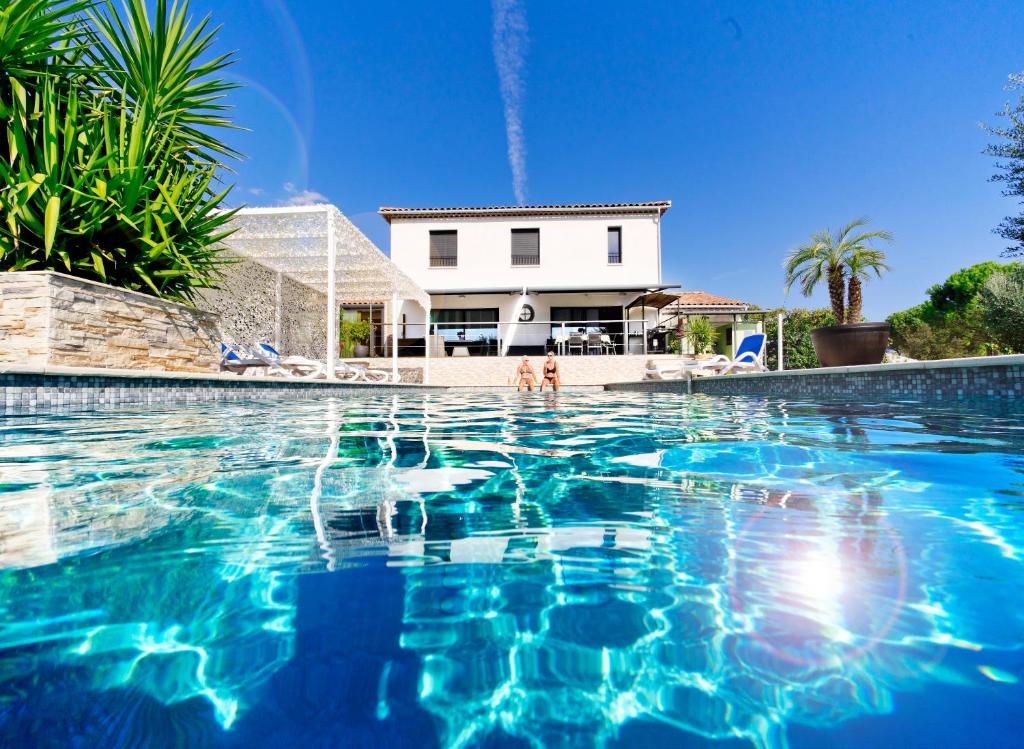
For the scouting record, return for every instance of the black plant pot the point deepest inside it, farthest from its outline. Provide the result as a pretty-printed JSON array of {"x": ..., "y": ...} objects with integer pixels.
[{"x": 849, "y": 345}]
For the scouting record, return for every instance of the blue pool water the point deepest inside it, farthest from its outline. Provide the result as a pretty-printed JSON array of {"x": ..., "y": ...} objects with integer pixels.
[{"x": 579, "y": 570}]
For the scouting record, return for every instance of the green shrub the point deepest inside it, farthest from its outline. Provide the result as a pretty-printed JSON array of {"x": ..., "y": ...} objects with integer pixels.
[
  {"x": 1002, "y": 305},
  {"x": 352, "y": 332},
  {"x": 796, "y": 336},
  {"x": 950, "y": 324},
  {"x": 960, "y": 290},
  {"x": 109, "y": 158}
]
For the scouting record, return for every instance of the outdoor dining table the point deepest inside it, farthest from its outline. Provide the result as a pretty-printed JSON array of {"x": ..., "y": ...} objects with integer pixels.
[{"x": 562, "y": 342}]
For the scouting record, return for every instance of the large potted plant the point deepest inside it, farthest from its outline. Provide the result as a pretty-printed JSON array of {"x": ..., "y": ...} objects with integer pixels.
[
  {"x": 355, "y": 335},
  {"x": 843, "y": 260}
]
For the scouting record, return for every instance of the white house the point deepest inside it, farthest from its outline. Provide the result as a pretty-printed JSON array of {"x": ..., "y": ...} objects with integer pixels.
[{"x": 510, "y": 280}]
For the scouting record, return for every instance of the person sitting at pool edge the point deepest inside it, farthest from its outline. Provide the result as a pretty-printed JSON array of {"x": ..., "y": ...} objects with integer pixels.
[
  {"x": 551, "y": 373},
  {"x": 525, "y": 376}
]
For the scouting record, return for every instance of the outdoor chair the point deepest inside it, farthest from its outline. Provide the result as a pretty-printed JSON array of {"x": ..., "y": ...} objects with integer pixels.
[
  {"x": 594, "y": 342},
  {"x": 749, "y": 357},
  {"x": 295, "y": 366},
  {"x": 674, "y": 371},
  {"x": 355, "y": 373},
  {"x": 240, "y": 359},
  {"x": 576, "y": 342}
]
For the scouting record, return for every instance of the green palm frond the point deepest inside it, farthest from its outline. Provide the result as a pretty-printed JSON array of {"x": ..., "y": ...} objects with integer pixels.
[{"x": 834, "y": 258}]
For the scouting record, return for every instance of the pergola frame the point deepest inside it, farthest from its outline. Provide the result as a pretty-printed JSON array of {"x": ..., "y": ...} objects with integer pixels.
[{"x": 304, "y": 243}]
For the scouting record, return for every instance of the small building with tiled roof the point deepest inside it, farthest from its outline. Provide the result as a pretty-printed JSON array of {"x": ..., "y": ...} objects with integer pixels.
[{"x": 701, "y": 300}]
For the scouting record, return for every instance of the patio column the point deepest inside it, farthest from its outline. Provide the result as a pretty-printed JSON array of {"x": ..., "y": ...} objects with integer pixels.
[
  {"x": 779, "y": 342},
  {"x": 429, "y": 342},
  {"x": 332, "y": 298},
  {"x": 394, "y": 336}
]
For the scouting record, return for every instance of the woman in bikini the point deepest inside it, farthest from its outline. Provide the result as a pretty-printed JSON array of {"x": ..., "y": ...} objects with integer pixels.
[
  {"x": 525, "y": 376},
  {"x": 551, "y": 373}
]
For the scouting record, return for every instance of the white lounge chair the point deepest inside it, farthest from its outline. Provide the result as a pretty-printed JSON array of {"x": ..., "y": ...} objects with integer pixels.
[
  {"x": 749, "y": 357},
  {"x": 294, "y": 366},
  {"x": 240, "y": 359},
  {"x": 352, "y": 373}
]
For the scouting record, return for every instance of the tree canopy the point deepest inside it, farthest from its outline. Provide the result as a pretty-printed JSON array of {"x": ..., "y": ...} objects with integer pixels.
[{"x": 1009, "y": 152}]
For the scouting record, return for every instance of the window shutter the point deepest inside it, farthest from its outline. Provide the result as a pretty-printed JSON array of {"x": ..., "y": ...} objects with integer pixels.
[
  {"x": 525, "y": 246},
  {"x": 444, "y": 248}
]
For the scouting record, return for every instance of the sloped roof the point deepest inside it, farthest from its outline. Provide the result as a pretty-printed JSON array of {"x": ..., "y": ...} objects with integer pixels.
[
  {"x": 703, "y": 299},
  {"x": 573, "y": 209}
]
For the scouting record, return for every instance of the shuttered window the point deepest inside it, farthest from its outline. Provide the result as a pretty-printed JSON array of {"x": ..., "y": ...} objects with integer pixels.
[
  {"x": 615, "y": 245},
  {"x": 444, "y": 249},
  {"x": 526, "y": 247}
]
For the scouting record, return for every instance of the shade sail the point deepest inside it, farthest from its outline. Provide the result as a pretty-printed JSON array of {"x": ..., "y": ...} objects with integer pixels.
[{"x": 319, "y": 247}]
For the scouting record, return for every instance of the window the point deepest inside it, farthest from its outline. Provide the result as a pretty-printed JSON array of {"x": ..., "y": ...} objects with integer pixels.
[
  {"x": 475, "y": 329},
  {"x": 444, "y": 249},
  {"x": 614, "y": 245},
  {"x": 526, "y": 247},
  {"x": 586, "y": 320}
]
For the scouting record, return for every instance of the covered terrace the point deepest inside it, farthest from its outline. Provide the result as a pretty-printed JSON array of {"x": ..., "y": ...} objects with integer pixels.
[{"x": 320, "y": 249}]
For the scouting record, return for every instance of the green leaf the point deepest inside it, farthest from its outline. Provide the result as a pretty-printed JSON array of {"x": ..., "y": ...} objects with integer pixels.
[
  {"x": 97, "y": 263},
  {"x": 50, "y": 223}
]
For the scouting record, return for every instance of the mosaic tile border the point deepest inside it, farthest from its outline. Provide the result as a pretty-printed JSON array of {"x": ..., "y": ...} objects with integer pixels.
[
  {"x": 992, "y": 378},
  {"x": 50, "y": 392}
]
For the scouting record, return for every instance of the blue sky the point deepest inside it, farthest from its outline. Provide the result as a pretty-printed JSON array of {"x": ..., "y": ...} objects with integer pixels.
[{"x": 761, "y": 121}]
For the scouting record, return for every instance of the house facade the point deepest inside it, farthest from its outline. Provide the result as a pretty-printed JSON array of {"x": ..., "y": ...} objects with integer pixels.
[{"x": 520, "y": 280}]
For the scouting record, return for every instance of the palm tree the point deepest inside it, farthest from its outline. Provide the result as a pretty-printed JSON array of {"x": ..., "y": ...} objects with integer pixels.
[
  {"x": 831, "y": 256},
  {"x": 860, "y": 263}
]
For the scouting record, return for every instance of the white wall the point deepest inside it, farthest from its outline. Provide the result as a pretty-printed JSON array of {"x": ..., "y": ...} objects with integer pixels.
[{"x": 573, "y": 252}]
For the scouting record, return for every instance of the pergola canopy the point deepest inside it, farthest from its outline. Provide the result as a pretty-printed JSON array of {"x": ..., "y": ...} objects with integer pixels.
[{"x": 319, "y": 247}]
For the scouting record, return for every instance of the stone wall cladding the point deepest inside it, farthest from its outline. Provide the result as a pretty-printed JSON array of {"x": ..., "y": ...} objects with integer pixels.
[
  {"x": 50, "y": 319},
  {"x": 40, "y": 393},
  {"x": 988, "y": 378},
  {"x": 24, "y": 319}
]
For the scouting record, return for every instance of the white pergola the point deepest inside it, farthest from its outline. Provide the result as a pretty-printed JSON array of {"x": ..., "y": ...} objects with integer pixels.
[{"x": 320, "y": 248}]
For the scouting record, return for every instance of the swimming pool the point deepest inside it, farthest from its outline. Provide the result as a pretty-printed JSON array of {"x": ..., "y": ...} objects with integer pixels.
[{"x": 568, "y": 570}]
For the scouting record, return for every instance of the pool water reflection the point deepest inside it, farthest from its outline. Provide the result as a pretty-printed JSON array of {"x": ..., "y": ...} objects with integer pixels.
[{"x": 566, "y": 570}]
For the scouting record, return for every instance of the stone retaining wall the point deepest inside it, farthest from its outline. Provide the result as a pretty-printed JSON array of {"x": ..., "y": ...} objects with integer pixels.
[
  {"x": 987, "y": 377},
  {"x": 50, "y": 319}
]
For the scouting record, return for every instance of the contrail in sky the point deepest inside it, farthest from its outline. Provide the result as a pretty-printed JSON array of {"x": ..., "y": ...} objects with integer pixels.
[{"x": 510, "y": 43}]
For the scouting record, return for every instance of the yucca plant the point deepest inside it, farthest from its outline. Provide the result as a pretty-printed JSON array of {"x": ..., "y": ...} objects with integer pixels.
[{"x": 109, "y": 161}]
